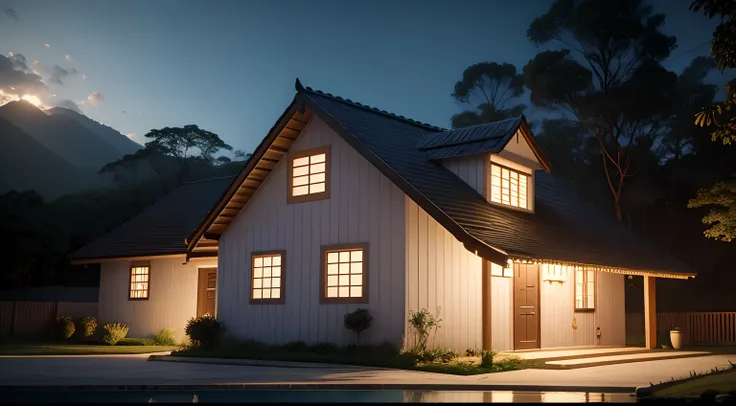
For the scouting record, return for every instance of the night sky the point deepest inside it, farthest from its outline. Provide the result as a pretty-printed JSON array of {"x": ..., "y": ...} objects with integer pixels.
[{"x": 229, "y": 66}]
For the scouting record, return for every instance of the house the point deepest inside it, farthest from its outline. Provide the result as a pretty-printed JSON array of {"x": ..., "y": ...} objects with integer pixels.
[{"x": 344, "y": 206}]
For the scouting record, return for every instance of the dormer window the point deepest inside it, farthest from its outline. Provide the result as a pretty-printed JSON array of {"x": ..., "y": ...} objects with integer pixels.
[{"x": 509, "y": 187}]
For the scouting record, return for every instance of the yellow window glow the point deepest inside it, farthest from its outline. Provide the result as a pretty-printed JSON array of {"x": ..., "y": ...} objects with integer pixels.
[
  {"x": 344, "y": 274},
  {"x": 267, "y": 275},
  {"x": 138, "y": 282},
  {"x": 509, "y": 187}
]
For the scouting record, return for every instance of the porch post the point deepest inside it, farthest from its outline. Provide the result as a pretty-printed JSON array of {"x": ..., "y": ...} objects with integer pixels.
[
  {"x": 650, "y": 312},
  {"x": 486, "y": 304}
]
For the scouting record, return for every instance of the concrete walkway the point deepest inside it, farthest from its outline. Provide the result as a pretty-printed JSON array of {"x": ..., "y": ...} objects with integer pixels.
[{"x": 137, "y": 370}]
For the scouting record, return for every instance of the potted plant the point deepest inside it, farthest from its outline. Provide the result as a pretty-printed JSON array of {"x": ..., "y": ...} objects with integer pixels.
[{"x": 676, "y": 338}]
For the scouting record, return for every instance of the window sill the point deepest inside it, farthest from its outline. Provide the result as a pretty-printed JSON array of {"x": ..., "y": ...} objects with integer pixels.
[
  {"x": 584, "y": 310},
  {"x": 344, "y": 300},
  {"x": 267, "y": 301}
]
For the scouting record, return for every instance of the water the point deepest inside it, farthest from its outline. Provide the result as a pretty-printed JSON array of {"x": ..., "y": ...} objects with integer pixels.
[{"x": 307, "y": 396}]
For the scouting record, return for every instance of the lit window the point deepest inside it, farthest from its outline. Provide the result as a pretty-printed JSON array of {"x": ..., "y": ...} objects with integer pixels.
[
  {"x": 138, "y": 282},
  {"x": 509, "y": 187},
  {"x": 554, "y": 273},
  {"x": 498, "y": 270},
  {"x": 268, "y": 277},
  {"x": 344, "y": 274},
  {"x": 309, "y": 178},
  {"x": 584, "y": 289}
]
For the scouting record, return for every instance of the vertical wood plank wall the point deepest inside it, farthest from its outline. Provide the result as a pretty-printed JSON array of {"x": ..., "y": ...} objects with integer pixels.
[
  {"x": 502, "y": 333},
  {"x": 172, "y": 296},
  {"x": 471, "y": 169},
  {"x": 558, "y": 311},
  {"x": 441, "y": 272},
  {"x": 364, "y": 206}
]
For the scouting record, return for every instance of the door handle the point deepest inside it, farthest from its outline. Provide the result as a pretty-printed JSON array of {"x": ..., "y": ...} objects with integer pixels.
[{"x": 528, "y": 314}]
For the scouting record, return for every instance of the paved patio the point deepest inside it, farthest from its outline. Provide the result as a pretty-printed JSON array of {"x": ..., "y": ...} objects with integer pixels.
[{"x": 137, "y": 370}]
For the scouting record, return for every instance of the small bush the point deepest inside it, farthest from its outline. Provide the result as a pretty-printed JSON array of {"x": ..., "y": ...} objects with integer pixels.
[
  {"x": 358, "y": 321},
  {"x": 509, "y": 364},
  {"x": 64, "y": 328},
  {"x": 114, "y": 332},
  {"x": 165, "y": 337},
  {"x": 323, "y": 348},
  {"x": 437, "y": 355},
  {"x": 423, "y": 323},
  {"x": 86, "y": 328},
  {"x": 472, "y": 352},
  {"x": 205, "y": 331},
  {"x": 296, "y": 346},
  {"x": 486, "y": 358}
]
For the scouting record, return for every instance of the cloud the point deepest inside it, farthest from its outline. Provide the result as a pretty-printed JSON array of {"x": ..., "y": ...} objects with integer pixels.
[
  {"x": 10, "y": 13},
  {"x": 136, "y": 138},
  {"x": 10, "y": 54},
  {"x": 84, "y": 76},
  {"x": 47, "y": 45},
  {"x": 68, "y": 58},
  {"x": 17, "y": 78},
  {"x": 57, "y": 72},
  {"x": 69, "y": 104},
  {"x": 95, "y": 98}
]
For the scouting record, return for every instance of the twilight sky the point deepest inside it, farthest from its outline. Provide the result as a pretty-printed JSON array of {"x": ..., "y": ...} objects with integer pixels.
[{"x": 229, "y": 66}]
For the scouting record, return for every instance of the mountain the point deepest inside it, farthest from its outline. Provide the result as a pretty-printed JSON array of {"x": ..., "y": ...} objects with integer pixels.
[
  {"x": 61, "y": 134},
  {"x": 26, "y": 164},
  {"x": 123, "y": 144}
]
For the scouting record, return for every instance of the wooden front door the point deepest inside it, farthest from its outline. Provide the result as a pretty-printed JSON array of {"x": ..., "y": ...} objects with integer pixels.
[
  {"x": 526, "y": 306},
  {"x": 206, "y": 291}
]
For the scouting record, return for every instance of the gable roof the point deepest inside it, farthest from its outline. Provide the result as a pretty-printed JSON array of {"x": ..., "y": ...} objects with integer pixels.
[
  {"x": 161, "y": 228},
  {"x": 489, "y": 137},
  {"x": 563, "y": 229}
]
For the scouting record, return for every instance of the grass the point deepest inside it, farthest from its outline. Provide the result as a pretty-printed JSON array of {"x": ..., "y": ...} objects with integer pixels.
[
  {"x": 722, "y": 382},
  {"x": 367, "y": 355},
  {"x": 131, "y": 346}
]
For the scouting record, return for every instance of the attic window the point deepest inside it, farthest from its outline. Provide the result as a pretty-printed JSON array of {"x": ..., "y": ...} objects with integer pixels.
[
  {"x": 309, "y": 177},
  {"x": 509, "y": 187}
]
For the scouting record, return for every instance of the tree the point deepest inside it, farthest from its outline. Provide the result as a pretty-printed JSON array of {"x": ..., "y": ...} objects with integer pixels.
[
  {"x": 488, "y": 87},
  {"x": 723, "y": 218},
  {"x": 690, "y": 95},
  {"x": 178, "y": 141},
  {"x": 608, "y": 78},
  {"x": 222, "y": 160},
  {"x": 723, "y": 50},
  {"x": 719, "y": 116}
]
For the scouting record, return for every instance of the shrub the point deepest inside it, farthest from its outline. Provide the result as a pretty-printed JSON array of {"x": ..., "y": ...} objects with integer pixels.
[
  {"x": 437, "y": 355},
  {"x": 64, "y": 328},
  {"x": 296, "y": 346},
  {"x": 486, "y": 358},
  {"x": 323, "y": 348},
  {"x": 358, "y": 321},
  {"x": 509, "y": 364},
  {"x": 114, "y": 332},
  {"x": 472, "y": 352},
  {"x": 165, "y": 337},
  {"x": 423, "y": 323},
  {"x": 86, "y": 328},
  {"x": 204, "y": 331}
]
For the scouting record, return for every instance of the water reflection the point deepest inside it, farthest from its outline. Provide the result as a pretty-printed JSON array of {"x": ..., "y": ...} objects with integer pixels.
[{"x": 513, "y": 397}]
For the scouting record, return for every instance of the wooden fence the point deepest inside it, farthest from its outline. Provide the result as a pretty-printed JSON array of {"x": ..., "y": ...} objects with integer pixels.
[
  {"x": 29, "y": 320},
  {"x": 698, "y": 327}
]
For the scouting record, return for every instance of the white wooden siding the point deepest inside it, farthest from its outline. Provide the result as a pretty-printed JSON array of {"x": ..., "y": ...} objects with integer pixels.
[
  {"x": 502, "y": 322},
  {"x": 364, "y": 206},
  {"x": 518, "y": 147},
  {"x": 557, "y": 311},
  {"x": 470, "y": 168},
  {"x": 441, "y": 272},
  {"x": 172, "y": 297}
]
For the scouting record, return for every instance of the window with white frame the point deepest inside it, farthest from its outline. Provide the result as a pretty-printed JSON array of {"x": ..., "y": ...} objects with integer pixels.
[
  {"x": 509, "y": 187},
  {"x": 344, "y": 273},
  {"x": 309, "y": 175},
  {"x": 268, "y": 278},
  {"x": 138, "y": 282},
  {"x": 584, "y": 289}
]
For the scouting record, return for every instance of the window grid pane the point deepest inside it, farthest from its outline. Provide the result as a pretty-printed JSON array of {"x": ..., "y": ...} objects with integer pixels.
[
  {"x": 138, "y": 282},
  {"x": 267, "y": 274},
  {"x": 344, "y": 274},
  {"x": 584, "y": 289},
  {"x": 508, "y": 187},
  {"x": 309, "y": 175}
]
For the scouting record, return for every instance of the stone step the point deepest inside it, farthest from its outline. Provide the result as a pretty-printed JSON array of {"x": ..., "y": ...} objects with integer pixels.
[{"x": 588, "y": 362}]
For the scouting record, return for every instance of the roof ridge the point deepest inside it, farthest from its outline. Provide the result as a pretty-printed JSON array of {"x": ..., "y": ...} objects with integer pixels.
[
  {"x": 299, "y": 87},
  {"x": 482, "y": 124}
]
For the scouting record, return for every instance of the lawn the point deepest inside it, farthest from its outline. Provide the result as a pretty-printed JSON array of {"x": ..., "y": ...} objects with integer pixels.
[
  {"x": 722, "y": 382},
  {"x": 374, "y": 356},
  {"x": 127, "y": 346}
]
